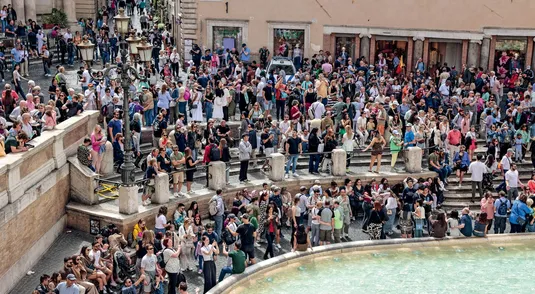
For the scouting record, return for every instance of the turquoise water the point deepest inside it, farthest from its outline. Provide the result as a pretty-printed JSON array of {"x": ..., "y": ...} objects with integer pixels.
[{"x": 478, "y": 269}]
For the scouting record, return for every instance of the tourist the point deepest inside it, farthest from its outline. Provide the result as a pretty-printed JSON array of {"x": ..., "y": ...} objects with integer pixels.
[
  {"x": 377, "y": 145},
  {"x": 481, "y": 225},
  {"x": 327, "y": 222},
  {"x": 160, "y": 224},
  {"x": 132, "y": 288},
  {"x": 453, "y": 224},
  {"x": 520, "y": 209},
  {"x": 313, "y": 144},
  {"x": 149, "y": 269},
  {"x": 391, "y": 205},
  {"x": 190, "y": 168},
  {"x": 247, "y": 235},
  {"x": 419, "y": 218},
  {"x": 465, "y": 224},
  {"x": 98, "y": 147},
  {"x": 501, "y": 207},
  {"x": 295, "y": 216},
  {"x": 245, "y": 151},
  {"x": 301, "y": 239},
  {"x": 208, "y": 250},
  {"x": 440, "y": 226},
  {"x": 487, "y": 205},
  {"x": 512, "y": 182},
  {"x": 150, "y": 175},
  {"x": 461, "y": 161},
  {"x": 69, "y": 286},
  {"x": 405, "y": 222},
  {"x": 238, "y": 259},
  {"x": 172, "y": 264},
  {"x": 16, "y": 144},
  {"x": 477, "y": 169},
  {"x": 377, "y": 220},
  {"x": 83, "y": 154},
  {"x": 186, "y": 237},
  {"x": 338, "y": 223}
]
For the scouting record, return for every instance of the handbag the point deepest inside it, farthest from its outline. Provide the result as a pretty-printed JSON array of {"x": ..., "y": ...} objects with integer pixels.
[{"x": 321, "y": 147}]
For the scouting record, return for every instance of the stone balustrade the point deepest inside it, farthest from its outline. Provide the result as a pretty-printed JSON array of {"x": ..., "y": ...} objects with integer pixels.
[{"x": 34, "y": 190}]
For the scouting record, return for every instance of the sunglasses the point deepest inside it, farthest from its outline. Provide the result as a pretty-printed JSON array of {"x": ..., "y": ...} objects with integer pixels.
[{"x": 150, "y": 248}]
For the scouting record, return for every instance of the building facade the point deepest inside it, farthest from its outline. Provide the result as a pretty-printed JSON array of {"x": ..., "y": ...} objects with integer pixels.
[
  {"x": 75, "y": 9},
  {"x": 457, "y": 32}
]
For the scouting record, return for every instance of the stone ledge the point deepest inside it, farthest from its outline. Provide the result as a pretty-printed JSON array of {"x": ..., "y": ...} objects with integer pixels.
[{"x": 272, "y": 264}]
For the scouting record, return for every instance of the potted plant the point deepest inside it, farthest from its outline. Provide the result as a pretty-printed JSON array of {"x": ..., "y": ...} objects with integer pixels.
[{"x": 57, "y": 17}]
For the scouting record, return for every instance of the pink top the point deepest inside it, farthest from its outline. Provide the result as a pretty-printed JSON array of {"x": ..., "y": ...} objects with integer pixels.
[
  {"x": 327, "y": 67},
  {"x": 487, "y": 205},
  {"x": 95, "y": 142},
  {"x": 50, "y": 121}
]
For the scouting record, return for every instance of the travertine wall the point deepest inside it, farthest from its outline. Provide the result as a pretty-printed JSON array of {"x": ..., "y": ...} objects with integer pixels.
[{"x": 34, "y": 189}]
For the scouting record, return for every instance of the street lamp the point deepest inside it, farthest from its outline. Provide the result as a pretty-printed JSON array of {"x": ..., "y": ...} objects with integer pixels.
[
  {"x": 144, "y": 50},
  {"x": 86, "y": 50},
  {"x": 133, "y": 41}
]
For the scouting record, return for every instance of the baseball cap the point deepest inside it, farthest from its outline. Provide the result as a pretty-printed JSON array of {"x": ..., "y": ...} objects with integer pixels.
[
  {"x": 71, "y": 277},
  {"x": 232, "y": 216}
]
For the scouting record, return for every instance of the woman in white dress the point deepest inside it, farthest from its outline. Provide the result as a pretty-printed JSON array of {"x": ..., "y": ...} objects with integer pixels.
[
  {"x": 219, "y": 102},
  {"x": 40, "y": 41},
  {"x": 196, "y": 106}
]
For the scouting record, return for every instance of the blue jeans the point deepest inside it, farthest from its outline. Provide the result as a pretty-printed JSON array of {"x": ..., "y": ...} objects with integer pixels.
[
  {"x": 218, "y": 219},
  {"x": 224, "y": 271},
  {"x": 201, "y": 261},
  {"x": 390, "y": 223},
  {"x": 156, "y": 231},
  {"x": 182, "y": 109},
  {"x": 209, "y": 108},
  {"x": 149, "y": 117},
  {"x": 313, "y": 163},
  {"x": 46, "y": 68},
  {"x": 292, "y": 159},
  {"x": 439, "y": 172},
  {"x": 4, "y": 24},
  {"x": 70, "y": 60}
]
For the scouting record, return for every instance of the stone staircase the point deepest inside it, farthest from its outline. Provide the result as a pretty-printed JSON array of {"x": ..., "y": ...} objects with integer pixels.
[{"x": 457, "y": 197}]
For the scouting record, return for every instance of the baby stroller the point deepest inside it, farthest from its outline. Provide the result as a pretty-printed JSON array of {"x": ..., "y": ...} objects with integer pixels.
[{"x": 123, "y": 269}]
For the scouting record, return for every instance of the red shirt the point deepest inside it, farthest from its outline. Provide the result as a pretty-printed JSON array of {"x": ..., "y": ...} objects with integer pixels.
[
  {"x": 294, "y": 112},
  {"x": 454, "y": 137}
]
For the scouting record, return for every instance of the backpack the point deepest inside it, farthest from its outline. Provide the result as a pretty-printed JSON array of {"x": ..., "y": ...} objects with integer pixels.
[
  {"x": 502, "y": 209},
  {"x": 227, "y": 237},
  {"x": 212, "y": 207},
  {"x": 215, "y": 153},
  {"x": 311, "y": 112},
  {"x": 187, "y": 94}
]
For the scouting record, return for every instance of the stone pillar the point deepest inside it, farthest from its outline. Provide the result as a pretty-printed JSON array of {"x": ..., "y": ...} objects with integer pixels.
[
  {"x": 356, "y": 50},
  {"x": 413, "y": 161},
  {"x": 339, "y": 162},
  {"x": 106, "y": 166},
  {"x": 365, "y": 46},
  {"x": 161, "y": 189},
  {"x": 218, "y": 179},
  {"x": 485, "y": 52},
  {"x": 128, "y": 199},
  {"x": 19, "y": 8},
  {"x": 425, "y": 54},
  {"x": 529, "y": 52},
  {"x": 409, "y": 62},
  {"x": 372, "y": 50},
  {"x": 464, "y": 55},
  {"x": 332, "y": 48},
  {"x": 277, "y": 163},
  {"x": 418, "y": 49},
  {"x": 69, "y": 7},
  {"x": 29, "y": 9},
  {"x": 533, "y": 57},
  {"x": 492, "y": 52},
  {"x": 473, "y": 53}
]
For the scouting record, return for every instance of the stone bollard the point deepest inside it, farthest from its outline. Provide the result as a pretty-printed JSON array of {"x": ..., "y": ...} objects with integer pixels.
[
  {"x": 339, "y": 162},
  {"x": 106, "y": 166},
  {"x": 218, "y": 179},
  {"x": 413, "y": 160},
  {"x": 161, "y": 189},
  {"x": 128, "y": 199},
  {"x": 278, "y": 163}
]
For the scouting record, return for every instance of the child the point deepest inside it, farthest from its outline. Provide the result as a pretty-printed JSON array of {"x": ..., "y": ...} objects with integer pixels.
[{"x": 518, "y": 148}]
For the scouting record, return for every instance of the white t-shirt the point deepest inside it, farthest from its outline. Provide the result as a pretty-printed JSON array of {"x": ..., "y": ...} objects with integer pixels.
[
  {"x": 318, "y": 109},
  {"x": 95, "y": 256},
  {"x": 87, "y": 78},
  {"x": 477, "y": 169},
  {"x": 506, "y": 162},
  {"x": 161, "y": 221},
  {"x": 149, "y": 262},
  {"x": 512, "y": 177}
]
